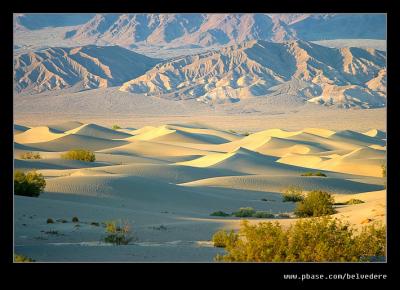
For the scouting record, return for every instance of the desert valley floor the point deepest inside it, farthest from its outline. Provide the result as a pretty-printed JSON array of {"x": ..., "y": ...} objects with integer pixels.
[{"x": 166, "y": 180}]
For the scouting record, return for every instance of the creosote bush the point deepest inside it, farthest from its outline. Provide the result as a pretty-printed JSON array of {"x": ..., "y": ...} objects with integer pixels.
[
  {"x": 22, "y": 259},
  {"x": 75, "y": 219},
  {"x": 29, "y": 184},
  {"x": 116, "y": 127},
  {"x": 118, "y": 233},
  {"x": 263, "y": 214},
  {"x": 30, "y": 155},
  {"x": 219, "y": 213},
  {"x": 317, "y": 203},
  {"x": 50, "y": 221},
  {"x": 293, "y": 194},
  {"x": 244, "y": 212},
  {"x": 314, "y": 174},
  {"x": 322, "y": 239},
  {"x": 79, "y": 154},
  {"x": 221, "y": 238}
]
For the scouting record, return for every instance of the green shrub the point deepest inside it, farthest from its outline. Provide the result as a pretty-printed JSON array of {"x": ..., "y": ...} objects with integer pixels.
[
  {"x": 30, "y": 155},
  {"x": 314, "y": 174},
  {"x": 219, "y": 213},
  {"x": 118, "y": 233},
  {"x": 22, "y": 259},
  {"x": 222, "y": 238},
  {"x": 308, "y": 240},
  {"x": 116, "y": 127},
  {"x": 317, "y": 203},
  {"x": 75, "y": 219},
  {"x": 79, "y": 154},
  {"x": 50, "y": 221},
  {"x": 244, "y": 212},
  {"x": 354, "y": 201},
  {"x": 29, "y": 184},
  {"x": 263, "y": 214},
  {"x": 293, "y": 194}
]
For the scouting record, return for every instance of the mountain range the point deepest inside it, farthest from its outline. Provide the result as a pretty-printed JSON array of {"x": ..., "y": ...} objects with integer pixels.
[{"x": 79, "y": 68}]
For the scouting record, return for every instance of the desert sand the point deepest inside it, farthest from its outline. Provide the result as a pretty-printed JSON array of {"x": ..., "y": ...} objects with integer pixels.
[{"x": 166, "y": 180}]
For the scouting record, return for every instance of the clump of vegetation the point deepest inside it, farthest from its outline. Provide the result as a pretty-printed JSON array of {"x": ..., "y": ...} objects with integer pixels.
[
  {"x": 63, "y": 221},
  {"x": 317, "y": 203},
  {"x": 29, "y": 184},
  {"x": 293, "y": 194},
  {"x": 96, "y": 224},
  {"x": 322, "y": 239},
  {"x": 118, "y": 233},
  {"x": 222, "y": 238},
  {"x": 244, "y": 212},
  {"x": 22, "y": 259},
  {"x": 75, "y": 219},
  {"x": 116, "y": 127},
  {"x": 313, "y": 174},
  {"x": 353, "y": 201},
  {"x": 219, "y": 213},
  {"x": 79, "y": 154},
  {"x": 263, "y": 215},
  {"x": 30, "y": 155},
  {"x": 50, "y": 221},
  {"x": 283, "y": 215}
]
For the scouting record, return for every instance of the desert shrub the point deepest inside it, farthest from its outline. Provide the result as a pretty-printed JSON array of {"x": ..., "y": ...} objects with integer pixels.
[
  {"x": 118, "y": 233},
  {"x": 293, "y": 194},
  {"x": 354, "y": 201},
  {"x": 96, "y": 224},
  {"x": 314, "y": 174},
  {"x": 79, "y": 154},
  {"x": 308, "y": 240},
  {"x": 75, "y": 219},
  {"x": 50, "y": 221},
  {"x": 29, "y": 184},
  {"x": 263, "y": 214},
  {"x": 317, "y": 203},
  {"x": 244, "y": 212},
  {"x": 30, "y": 155},
  {"x": 219, "y": 213},
  {"x": 116, "y": 127},
  {"x": 283, "y": 215},
  {"x": 222, "y": 238},
  {"x": 22, "y": 259}
]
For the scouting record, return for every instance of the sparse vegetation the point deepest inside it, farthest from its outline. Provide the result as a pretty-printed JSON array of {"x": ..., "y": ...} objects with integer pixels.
[
  {"x": 244, "y": 212},
  {"x": 29, "y": 184},
  {"x": 118, "y": 233},
  {"x": 317, "y": 203},
  {"x": 96, "y": 224},
  {"x": 22, "y": 259},
  {"x": 222, "y": 238},
  {"x": 293, "y": 194},
  {"x": 79, "y": 154},
  {"x": 50, "y": 221},
  {"x": 314, "y": 174},
  {"x": 75, "y": 219},
  {"x": 263, "y": 214},
  {"x": 322, "y": 239},
  {"x": 283, "y": 215},
  {"x": 349, "y": 202},
  {"x": 30, "y": 155},
  {"x": 116, "y": 127},
  {"x": 219, "y": 213}
]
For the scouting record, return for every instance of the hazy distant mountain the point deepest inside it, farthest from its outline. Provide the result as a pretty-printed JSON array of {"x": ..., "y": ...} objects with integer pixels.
[
  {"x": 81, "y": 68},
  {"x": 33, "y": 21},
  {"x": 197, "y": 29},
  {"x": 346, "y": 77}
]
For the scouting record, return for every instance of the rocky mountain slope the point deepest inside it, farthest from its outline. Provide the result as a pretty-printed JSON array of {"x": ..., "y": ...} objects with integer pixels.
[
  {"x": 345, "y": 77},
  {"x": 79, "y": 68},
  {"x": 197, "y": 29}
]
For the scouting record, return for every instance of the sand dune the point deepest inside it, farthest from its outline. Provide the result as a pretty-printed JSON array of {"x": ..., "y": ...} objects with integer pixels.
[{"x": 166, "y": 180}]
